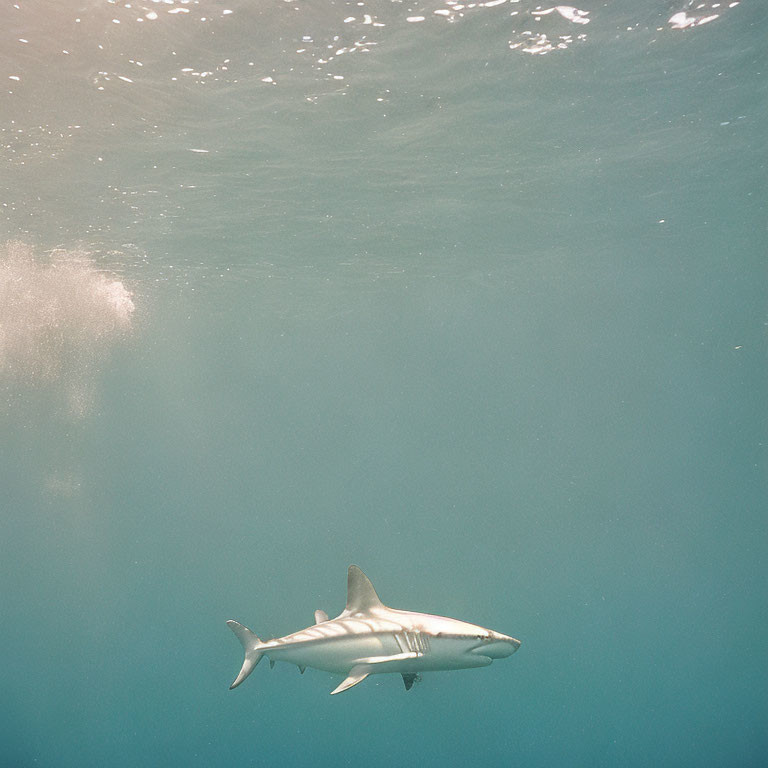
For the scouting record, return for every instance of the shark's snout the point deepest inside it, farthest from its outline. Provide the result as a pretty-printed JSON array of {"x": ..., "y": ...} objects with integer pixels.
[{"x": 497, "y": 646}]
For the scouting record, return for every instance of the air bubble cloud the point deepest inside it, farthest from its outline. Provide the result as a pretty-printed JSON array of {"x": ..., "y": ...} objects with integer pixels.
[{"x": 60, "y": 315}]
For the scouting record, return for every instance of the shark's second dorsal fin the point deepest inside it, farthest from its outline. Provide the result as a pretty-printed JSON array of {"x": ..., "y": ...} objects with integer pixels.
[{"x": 361, "y": 596}]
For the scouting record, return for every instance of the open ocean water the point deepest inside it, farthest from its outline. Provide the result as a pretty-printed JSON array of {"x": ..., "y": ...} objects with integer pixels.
[{"x": 472, "y": 295}]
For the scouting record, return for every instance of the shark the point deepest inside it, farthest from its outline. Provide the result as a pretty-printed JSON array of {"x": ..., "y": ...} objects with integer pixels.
[{"x": 369, "y": 638}]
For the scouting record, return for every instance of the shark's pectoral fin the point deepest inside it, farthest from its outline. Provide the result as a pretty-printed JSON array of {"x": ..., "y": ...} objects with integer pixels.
[
  {"x": 395, "y": 657},
  {"x": 409, "y": 680},
  {"x": 356, "y": 675}
]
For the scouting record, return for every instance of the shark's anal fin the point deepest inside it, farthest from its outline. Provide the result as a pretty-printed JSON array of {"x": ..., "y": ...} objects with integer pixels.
[
  {"x": 320, "y": 616},
  {"x": 409, "y": 680},
  {"x": 356, "y": 675}
]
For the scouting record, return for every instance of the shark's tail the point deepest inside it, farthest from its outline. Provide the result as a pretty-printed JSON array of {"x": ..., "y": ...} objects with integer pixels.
[{"x": 252, "y": 656}]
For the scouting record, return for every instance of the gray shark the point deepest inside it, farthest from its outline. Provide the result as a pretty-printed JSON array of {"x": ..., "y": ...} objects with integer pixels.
[{"x": 368, "y": 638}]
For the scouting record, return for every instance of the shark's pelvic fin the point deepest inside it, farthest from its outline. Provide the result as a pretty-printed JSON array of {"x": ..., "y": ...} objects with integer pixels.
[
  {"x": 361, "y": 596},
  {"x": 409, "y": 680},
  {"x": 320, "y": 616},
  {"x": 249, "y": 642},
  {"x": 271, "y": 663},
  {"x": 302, "y": 669}
]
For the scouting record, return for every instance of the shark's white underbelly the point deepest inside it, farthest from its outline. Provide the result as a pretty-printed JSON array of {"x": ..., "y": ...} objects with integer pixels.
[{"x": 338, "y": 654}]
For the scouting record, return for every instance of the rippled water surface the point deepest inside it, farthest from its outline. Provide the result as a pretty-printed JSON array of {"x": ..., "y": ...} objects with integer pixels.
[{"x": 470, "y": 294}]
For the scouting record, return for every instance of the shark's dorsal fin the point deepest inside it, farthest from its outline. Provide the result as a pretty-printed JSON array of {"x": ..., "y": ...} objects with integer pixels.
[{"x": 361, "y": 596}]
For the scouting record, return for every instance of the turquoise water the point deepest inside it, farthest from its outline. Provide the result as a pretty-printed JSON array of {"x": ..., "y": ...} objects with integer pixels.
[{"x": 476, "y": 302}]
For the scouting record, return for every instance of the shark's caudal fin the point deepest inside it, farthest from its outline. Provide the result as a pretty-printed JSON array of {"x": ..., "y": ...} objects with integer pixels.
[
  {"x": 361, "y": 596},
  {"x": 252, "y": 657}
]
